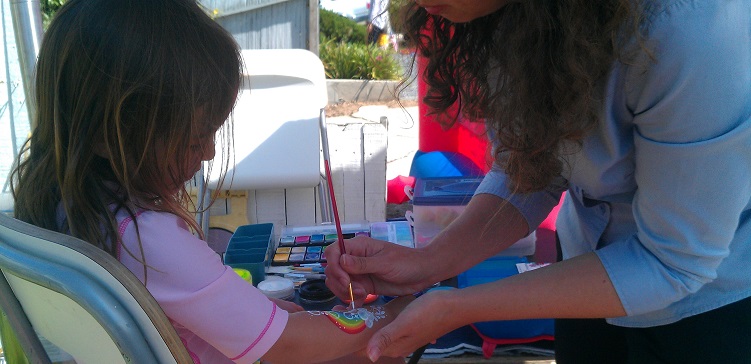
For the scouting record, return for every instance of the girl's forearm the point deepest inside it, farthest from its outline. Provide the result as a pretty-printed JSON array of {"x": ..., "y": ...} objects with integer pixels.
[{"x": 315, "y": 336}]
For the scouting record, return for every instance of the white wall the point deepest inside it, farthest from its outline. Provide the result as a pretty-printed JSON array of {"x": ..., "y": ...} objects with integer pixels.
[{"x": 14, "y": 119}]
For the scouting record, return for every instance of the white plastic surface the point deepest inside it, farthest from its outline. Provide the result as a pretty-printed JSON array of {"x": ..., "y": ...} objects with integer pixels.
[
  {"x": 276, "y": 129},
  {"x": 56, "y": 316}
]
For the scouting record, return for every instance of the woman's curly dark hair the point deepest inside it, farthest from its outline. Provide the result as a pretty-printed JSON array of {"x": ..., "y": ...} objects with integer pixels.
[{"x": 534, "y": 69}]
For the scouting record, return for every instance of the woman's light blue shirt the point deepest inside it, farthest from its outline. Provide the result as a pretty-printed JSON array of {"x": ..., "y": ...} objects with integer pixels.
[{"x": 661, "y": 191}]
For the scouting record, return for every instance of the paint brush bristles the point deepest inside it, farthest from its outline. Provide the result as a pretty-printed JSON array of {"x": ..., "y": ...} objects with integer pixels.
[{"x": 351, "y": 296}]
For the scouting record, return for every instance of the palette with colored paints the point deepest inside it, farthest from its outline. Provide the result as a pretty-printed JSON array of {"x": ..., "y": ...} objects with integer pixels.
[{"x": 304, "y": 245}]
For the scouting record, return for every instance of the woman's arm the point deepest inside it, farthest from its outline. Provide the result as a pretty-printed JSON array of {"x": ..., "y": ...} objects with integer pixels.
[
  {"x": 488, "y": 225},
  {"x": 575, "y": 288},
  {"x": 315, "y": 336}
]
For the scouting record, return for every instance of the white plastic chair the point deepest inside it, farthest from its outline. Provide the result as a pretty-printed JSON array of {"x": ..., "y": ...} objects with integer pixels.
[
  {"x": 276, "y": 130},
  {"x": 67, "y": 299},
  {"x": 277, "y": 139}
]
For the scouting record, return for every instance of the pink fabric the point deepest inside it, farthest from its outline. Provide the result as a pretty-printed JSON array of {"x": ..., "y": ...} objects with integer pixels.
[
  {"x": 121, "y": 230},
  {"x": 395, "y": 189},
  {"x": 549, "y": 222},
  {"x": 217, "y": 314}
]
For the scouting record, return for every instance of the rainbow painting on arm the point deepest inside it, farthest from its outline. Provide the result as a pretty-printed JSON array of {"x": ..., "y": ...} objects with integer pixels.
[{"x": 353, "y": 321}]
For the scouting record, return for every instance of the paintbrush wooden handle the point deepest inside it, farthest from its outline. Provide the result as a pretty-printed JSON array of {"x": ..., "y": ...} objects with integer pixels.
[{"x": 339, "y": 234}]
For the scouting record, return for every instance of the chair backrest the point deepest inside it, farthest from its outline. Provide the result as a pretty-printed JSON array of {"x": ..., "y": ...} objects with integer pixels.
[
  {"x": 81, "y": 302},
  {"x": 276, "y": 129}
]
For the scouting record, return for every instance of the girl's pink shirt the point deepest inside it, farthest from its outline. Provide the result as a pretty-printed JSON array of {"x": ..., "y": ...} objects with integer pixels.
[{"x": 219, "y": 316}]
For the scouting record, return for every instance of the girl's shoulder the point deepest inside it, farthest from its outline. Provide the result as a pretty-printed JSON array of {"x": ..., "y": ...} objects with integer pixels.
[
  {"x": 145, "y": 217},
  {"x": 162, "y": 242},
  {"x": 158, "y": 232}
]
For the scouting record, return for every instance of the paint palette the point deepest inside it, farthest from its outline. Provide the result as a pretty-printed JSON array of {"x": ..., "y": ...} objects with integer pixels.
[{"x": 307, "y": 244}]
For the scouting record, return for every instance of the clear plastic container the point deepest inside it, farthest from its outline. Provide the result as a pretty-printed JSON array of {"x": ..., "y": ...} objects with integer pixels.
[{"x": 436, "y": 202}]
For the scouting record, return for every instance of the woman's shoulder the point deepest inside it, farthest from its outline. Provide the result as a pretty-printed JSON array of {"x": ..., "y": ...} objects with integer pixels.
[
  {"x": 690, "y": 14},
  {"x": 694, "y": 33},
  {"x": 695, "y": 70}
]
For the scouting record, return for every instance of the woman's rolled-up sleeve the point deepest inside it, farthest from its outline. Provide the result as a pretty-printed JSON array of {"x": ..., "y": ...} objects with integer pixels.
[
  {"x": 692, "y": 142},
  {"x": 535, "y": 207}
]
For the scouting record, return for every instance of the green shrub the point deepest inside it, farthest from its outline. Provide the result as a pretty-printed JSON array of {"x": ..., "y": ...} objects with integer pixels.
[
  {"x": 358, "y": 61},
  {"x": 338, "y": 28},
  {"x": 49, "y": 8},
  {"x": 396, "y": 13}
]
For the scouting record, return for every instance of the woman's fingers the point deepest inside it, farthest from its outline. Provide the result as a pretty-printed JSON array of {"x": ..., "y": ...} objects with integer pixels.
[{"x": 421, "y": 322}]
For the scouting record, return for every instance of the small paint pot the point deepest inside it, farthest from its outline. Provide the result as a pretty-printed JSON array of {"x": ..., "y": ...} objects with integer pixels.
[
  {"x": 314, "y": 293},
  {"x": 278, "y": 287}
]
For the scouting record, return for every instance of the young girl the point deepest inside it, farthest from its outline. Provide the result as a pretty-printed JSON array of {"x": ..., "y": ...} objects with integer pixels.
[{"x": 130, "y": 95}]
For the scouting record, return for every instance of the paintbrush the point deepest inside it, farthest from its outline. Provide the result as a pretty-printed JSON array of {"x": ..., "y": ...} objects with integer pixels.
[{"x": 329, "y": 182}]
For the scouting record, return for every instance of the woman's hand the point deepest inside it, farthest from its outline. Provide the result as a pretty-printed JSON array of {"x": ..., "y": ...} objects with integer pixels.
[
  {"x": 376, "y": 266},
  {"x": 423, "y": 321},
  {"x": 488, "y": 225}
]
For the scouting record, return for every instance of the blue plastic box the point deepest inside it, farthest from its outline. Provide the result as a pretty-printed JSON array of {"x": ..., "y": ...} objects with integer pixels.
[
  {"x": 511, "y": 331},
  {"x": 250, "y": 248}
]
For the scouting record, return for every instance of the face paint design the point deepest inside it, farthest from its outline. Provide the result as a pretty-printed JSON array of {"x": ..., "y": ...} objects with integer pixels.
[{"x": 353, "y": 321}]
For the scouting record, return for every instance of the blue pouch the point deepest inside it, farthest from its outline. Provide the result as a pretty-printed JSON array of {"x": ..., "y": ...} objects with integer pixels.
[{"x": 495, "y": 333}]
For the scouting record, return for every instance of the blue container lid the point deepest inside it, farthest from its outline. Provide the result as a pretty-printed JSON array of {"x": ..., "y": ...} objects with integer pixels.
[
  {"x": 445, "y": 191},
  {"x": 254, "y": 230}
]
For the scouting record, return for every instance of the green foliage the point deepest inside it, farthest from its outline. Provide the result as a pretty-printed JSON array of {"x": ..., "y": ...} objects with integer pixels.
[
  {"x": 10, "y": 347},
  {"x": 49, "y": 8},
  {"x": 358, "y": 61},
  {"x": 343, "y": 48},
  {"x": 395, "y": 14},
  {"x": 338, "y": 28}
]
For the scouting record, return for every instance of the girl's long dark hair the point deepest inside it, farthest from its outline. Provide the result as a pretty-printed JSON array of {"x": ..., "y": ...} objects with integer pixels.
[
  {"x": 122, "y": 88},
  {"x": 534, "y": 69}
]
